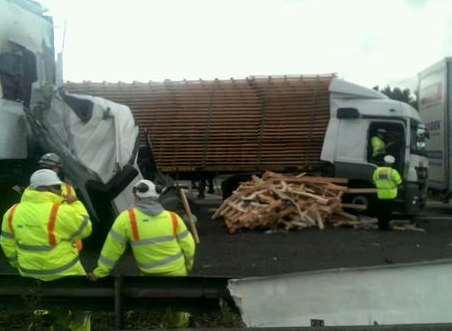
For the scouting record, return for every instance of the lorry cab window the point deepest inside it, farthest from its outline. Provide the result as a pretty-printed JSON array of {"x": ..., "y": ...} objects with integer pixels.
[{"x": 17, "y": 73}]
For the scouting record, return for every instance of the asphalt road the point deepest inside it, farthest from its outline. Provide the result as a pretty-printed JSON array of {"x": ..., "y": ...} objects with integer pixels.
[{"x": 258, "y": 254}]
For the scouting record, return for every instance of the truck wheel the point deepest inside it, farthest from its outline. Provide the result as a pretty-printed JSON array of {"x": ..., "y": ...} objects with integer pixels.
[
  {"x": 8, "y": 197},
  {"x": 360, "y": 200},
  {"x": 383, "y": 225},
  {"x": 229, "y": 185}
]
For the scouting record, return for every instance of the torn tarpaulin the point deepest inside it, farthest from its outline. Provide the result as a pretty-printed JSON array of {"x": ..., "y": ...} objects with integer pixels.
[{"x": 99, "y": 148}]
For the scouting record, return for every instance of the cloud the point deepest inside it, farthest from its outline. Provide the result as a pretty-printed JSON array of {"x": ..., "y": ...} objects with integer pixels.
[{"x": 368, "y": 42}]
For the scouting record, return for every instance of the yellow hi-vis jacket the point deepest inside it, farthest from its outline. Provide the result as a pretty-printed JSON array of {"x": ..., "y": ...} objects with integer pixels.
[
  {"x": 378, "y": 146},
  {"x": 66, "y": 191},
  {"x": 161, "y": 244},
  {"x": 386, "y": 180},
  {"x": 38, "y": 235}
]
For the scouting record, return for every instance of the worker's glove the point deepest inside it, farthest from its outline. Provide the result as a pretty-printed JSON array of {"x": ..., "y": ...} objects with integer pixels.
[
  {"x": 189, "y": 264},
  {"x": 70, "y": 199},
  {"x": 193, "y": 218}
]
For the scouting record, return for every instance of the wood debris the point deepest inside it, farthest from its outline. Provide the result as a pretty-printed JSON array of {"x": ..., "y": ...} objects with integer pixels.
[{"x": 281, "y": 202}]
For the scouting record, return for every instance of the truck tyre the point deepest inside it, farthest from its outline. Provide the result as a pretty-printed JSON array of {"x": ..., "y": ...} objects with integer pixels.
[
  {"x": 229, "y": 185},
  {"x": 383, "y": 225},
  {"x": 8, "y": 197}
]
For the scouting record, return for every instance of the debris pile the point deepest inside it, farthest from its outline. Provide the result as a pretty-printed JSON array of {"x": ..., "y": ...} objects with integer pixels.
[{"x": 281, "y": 202}]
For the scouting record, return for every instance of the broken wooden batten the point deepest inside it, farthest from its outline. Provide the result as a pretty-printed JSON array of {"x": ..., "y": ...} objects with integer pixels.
[{"x": 283, "y": 202}]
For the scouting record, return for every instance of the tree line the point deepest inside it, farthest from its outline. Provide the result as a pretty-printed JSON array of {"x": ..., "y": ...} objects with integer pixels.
[{"x": 399, "y": 94}]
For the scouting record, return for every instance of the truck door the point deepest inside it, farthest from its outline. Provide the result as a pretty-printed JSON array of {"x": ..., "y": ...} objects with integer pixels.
[{"x": 387, "y": 138}]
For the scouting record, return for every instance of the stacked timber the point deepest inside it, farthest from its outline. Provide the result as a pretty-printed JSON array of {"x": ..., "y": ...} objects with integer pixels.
[
  {"x": 253, "y": 124},
  {"x": 278, "y": 201}
]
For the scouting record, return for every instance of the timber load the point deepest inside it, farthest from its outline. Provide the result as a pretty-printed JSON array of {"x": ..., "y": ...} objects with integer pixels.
[
  {"x": 282, "y": 202},
  {"x": 253, "y": 124}
]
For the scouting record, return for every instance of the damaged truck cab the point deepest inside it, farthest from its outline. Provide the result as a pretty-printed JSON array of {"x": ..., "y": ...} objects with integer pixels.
[
  {"x": 357, "y": 115},
  {"x": 96, "y": 138},
  {"x": 26, "y": 57}
]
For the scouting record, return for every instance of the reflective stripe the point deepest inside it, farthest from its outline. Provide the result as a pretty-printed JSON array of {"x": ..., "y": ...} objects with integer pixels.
[
  {"x": 33, "y": 248},
  {"x": 133, "y": 224},
  {"x": 174, "y": 222},
  {"x": 52, "y": 223},
  {"x": 161, "y": 263},
  {"x": 11, "y": 218},
  {"x": 107, "y": 261},
  {"x": 383, "y": 174},
  {"x": 81, "y": 228},
  {"x": 151, "y": 241},
  {"x": 7, "y": 235},
  {"x": 51, "y": 271},
  {"x": 118, "y": 237},
  {"x": 182, "y": 235}
]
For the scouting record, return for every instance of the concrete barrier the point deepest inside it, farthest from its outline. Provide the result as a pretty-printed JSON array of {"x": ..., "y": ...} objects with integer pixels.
[{"x": 414, "y": 293}]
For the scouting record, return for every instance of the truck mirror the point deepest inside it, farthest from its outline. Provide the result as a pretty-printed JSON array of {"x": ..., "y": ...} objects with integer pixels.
[
  {"x": 347, "y": 113},
  {"x": 59, "y": 70}
]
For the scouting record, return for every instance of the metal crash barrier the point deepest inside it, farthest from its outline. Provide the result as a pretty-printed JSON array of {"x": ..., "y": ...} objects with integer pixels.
[
  {"x": 114, "y": 294},
  {"x": 408, "y": 327}
]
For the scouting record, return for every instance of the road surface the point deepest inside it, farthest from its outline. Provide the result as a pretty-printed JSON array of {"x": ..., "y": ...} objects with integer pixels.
[{"x": 255, "y": 253}]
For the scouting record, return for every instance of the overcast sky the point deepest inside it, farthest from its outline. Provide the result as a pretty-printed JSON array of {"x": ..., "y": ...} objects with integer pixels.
[{"x": 368, "y": 42}]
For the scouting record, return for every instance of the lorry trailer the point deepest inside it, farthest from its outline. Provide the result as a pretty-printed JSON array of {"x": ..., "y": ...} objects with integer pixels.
[
  {"x": 239, "y": 127},
  {"x": 435, "y": 106}
]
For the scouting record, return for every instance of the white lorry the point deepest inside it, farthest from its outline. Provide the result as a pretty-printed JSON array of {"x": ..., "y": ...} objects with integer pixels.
[
  {"x": 236, "y": 128},
  {"x": 96, "y": 138},
  {"x": 435, "y": 105}
]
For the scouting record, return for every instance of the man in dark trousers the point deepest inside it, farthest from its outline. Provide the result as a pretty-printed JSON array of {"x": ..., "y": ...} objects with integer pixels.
[{"x": 387, "y": 180}]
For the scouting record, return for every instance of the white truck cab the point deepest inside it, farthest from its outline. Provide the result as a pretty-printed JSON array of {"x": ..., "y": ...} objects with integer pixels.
[
  {"x": 26, "y": 57},
  {"x": 357, "y": 114}
]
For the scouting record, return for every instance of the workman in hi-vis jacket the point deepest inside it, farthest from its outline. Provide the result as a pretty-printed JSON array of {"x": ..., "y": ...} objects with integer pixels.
[
  {"x": 53, "y": 162},
  {"x": 160, "y": 241},
  {"x": 378, "y": 146},
  {"x": 387, "y": 180},
  {"x": 38, "y": 234}
]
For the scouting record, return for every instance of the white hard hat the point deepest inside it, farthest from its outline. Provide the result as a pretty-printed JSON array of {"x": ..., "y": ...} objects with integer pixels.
[
  {"x": 44, "y": 177},
  {"x": 145, "y": 189},
  {"x": 389, "y": 159}
]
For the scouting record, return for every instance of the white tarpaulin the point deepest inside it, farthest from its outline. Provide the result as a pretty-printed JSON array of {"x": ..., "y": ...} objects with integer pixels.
[
  {"x": 105, "y": 142},
  {"x": 96, "y": 138},
  {"x": 396, "y": 294}
]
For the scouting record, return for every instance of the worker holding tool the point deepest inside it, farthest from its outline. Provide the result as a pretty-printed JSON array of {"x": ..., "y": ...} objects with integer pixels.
[
  {"x": 38, "y": 234},
  {"x": 160, "y": 242},
  {"x": 378, "y": 146},
  {"x": 53, "y": 162},
  {"x": 387, "y": 180}
]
